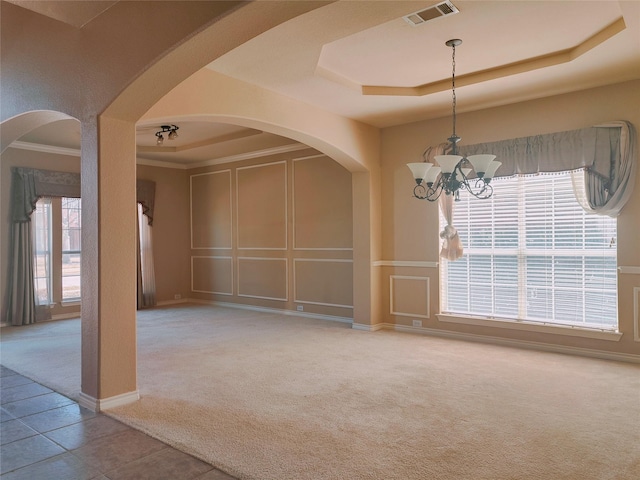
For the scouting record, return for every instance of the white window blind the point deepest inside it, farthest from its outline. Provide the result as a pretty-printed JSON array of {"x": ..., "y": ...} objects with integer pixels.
[
  {"x": 532, "y": 253},
  {"x": 41, "y": 230}
]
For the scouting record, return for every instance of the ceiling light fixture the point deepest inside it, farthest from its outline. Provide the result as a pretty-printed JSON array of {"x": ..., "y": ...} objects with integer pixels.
[
  {"x": 453, "y": 171},
  {"x": 171, "y": 129}
]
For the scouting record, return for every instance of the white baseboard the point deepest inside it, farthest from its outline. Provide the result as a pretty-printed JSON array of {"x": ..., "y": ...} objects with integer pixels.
[
  {"x": 281, "y": 311},
  {"x": 65, "y": 316},
  {"x": 369, "y": 328},
  {"x": 545, "y": 347},
  {"x": 173, "y": 302},
  {"x": 98, "y": 405}
]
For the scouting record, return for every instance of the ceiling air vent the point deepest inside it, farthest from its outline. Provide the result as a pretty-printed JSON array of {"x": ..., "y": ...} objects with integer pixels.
[{"x": 442, "y": 9}]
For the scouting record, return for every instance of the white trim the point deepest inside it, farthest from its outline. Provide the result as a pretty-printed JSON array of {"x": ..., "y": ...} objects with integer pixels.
[
  {"x": 65, "y": 316},
  {"x": 572, "y": 331},
  {"x": 636, "y": 314},
  {"x": 230, "y": 210},
  {"x": 408, "y": 277},
  {"x": 286, "y": 278},
  {"x": 368, "y": 328},
  {"x": 403, "y": 263},
  {"x": 292, "y": 313},
  {"x": 309, "y": 157},
  {"x": 286, "y": 207},
  {"x": 212, "y": 256},
  {"x": 172, "y": 302},
  {"x": 629, "y": 270},
  {"x": 39, "y": 147},
  {"x": 161, "y": 164},
  {"x": 544, "y": 347},
  {"x": 98, "y": 405},
  {"x": 292, "y": 147}
]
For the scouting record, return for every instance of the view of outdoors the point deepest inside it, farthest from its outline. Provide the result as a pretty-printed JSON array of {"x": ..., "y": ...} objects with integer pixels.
[
  {"x": 71, "y": 248},
  {"x": 533, "y": 253}
]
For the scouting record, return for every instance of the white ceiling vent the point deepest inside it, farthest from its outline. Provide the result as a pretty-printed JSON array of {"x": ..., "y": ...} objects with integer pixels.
[{"x": 442, "y": 9}]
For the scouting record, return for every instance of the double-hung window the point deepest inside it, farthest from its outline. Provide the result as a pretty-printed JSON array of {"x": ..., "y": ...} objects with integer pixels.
[
  {"x": 56, "y": 245},
  {"x": 533, "y": 254}
]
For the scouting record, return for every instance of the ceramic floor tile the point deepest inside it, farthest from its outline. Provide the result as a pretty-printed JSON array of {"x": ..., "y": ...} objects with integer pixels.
[
  {"x": 167, "y": 464},
  {"x": 113, "y": 451},
  {"x": 14, "y": 381},
  {"x": 20, "y": 392},
  {"x": 58, "y": 417},
  {"x": 5, "y": 416},
  {"x": 25, "y": 452},
  {"x": 14, "y": 430},
  {"x": 6, "y": 372},
  {"x": 62, "y": 467},
  {"x": 77, "y": 435},
  {"x": 34, "y": 405}
]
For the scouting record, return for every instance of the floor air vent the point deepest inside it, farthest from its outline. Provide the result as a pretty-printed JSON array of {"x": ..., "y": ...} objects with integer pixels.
[{"x": 442, "y": 9}]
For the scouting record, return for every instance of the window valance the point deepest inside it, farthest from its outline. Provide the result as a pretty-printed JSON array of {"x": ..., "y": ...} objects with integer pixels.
[
  {"x": 29, "y": 184},
  {"x": 606, "y": 153}
]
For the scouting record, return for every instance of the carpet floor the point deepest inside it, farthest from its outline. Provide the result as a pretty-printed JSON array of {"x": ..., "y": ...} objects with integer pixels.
[{"x": 265, "y": 396}]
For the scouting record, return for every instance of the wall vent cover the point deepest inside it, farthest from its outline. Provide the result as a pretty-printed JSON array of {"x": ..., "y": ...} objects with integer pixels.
[{"x": 442, "y": 9}]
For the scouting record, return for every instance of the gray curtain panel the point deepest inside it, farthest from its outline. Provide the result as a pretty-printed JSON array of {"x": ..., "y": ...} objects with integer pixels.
[{"x": 27, "y": 185}]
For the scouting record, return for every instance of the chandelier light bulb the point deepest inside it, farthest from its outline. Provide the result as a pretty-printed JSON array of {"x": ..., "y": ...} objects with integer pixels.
[{"x": 453, "y": 170}]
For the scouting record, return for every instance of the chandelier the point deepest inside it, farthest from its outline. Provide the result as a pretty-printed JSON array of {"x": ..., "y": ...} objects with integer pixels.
[
  {"x": 454, "y": 172},
  {"x": 170, "y": 129}
]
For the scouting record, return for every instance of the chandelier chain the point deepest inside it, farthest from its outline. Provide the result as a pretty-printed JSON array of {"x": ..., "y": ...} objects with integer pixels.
[{"x": 453, "y": 86}]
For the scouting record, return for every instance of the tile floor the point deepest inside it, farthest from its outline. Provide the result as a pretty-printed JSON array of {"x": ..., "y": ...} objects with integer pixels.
[{"x": 45, "y": 435}]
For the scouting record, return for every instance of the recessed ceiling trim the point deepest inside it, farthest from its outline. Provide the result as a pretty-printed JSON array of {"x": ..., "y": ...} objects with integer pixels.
[
  {"x": 556, "y": 58},
  {"x": 293, "y": 147}
]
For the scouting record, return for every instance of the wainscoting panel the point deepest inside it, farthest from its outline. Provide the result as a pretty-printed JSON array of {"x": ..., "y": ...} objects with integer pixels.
[
  {"x": 212, "y": 275},
  {"x": 211, "y": 210},
  {"x": 323, "y": 282},
  {"x": 263, "y": 278},
  {"x": 261, "y": 192},
  {"x": 322, "y": 205},
  {"x": 409, "y": 296}
]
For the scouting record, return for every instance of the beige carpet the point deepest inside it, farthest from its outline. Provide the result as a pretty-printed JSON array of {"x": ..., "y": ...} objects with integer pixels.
[{"x": 264, "y": 396}]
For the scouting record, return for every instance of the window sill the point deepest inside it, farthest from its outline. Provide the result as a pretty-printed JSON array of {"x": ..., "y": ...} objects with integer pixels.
[
  {"x": 522, "y": 325},
  {"x": 71, "y": 303}
]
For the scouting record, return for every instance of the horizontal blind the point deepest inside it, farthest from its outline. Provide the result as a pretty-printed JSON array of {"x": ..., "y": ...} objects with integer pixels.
[{"x": 532, "y": 253}]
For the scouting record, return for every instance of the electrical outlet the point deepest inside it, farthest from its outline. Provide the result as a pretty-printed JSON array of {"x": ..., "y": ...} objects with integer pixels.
[
  {"x": 300, "y": 308},
  {"x": 417, "y": 323},
  {"x": 177, "y": 296}
]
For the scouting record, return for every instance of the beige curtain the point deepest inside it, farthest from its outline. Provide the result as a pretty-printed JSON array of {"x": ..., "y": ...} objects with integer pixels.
[{"x": 146, "y": 270}]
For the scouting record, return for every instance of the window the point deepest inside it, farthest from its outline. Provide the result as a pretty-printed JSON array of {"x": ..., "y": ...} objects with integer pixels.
[
  {"x": 41, "y": 230},
  {"x": 57, "y": 252},
  {"x": 70, "y": 249},
  {"x": 532, "y": 253}
]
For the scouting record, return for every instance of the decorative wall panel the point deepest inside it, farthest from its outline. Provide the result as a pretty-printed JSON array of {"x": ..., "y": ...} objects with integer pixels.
[
  {"x": 262, "y": 206},
  {"x": 323, "y": 282},
  {"x": 322, "y": 205},
  {"x": 409, "y": 296},
  {"x": 212, "y": 275},
  {"x": 263, "y": 278},
  {"x": 211, "y": 210}
]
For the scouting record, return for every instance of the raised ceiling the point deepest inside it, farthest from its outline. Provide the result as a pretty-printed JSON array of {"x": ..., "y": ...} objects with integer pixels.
[{"x": 362, "y": 60}]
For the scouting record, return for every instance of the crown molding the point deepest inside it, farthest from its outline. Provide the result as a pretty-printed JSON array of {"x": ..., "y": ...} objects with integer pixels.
[
  {"x": 292, "y": 147},
  {"x": 38, "y": 147}
]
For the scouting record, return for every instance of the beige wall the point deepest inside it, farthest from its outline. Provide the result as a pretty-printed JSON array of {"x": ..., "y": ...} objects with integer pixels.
[
  {"x": 275, "y": 233},
  {"x": 170, "y": 230},
  {"x": 410, "y": 226}
]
